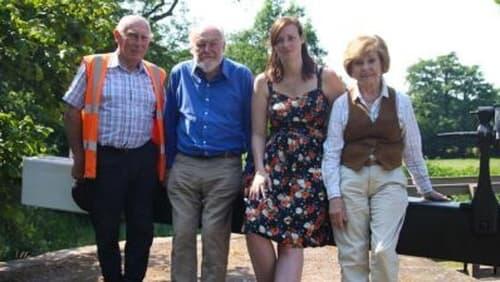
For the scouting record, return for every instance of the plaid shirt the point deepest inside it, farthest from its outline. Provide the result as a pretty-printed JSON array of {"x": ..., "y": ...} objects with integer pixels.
[
  {"x": 127, "y": 105},
  {"x": 412, "y": 152}
]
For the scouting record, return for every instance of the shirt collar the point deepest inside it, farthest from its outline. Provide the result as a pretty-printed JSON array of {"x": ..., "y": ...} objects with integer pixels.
[
  {"x": 224, "y": 67},
  {"x": 384, "y": 92},
  {"x": 114, "y": 62}
]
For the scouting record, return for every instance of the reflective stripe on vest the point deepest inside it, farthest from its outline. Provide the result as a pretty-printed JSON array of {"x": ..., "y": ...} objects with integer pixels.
[
  {"x": 158, "y": 76},
  {"x": 96, "y": 67}
]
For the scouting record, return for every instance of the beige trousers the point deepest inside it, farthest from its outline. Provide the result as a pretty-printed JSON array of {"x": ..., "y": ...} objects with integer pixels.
[
  {"x": 375, "y": 201},
  {"x": 202, "y": 190}
]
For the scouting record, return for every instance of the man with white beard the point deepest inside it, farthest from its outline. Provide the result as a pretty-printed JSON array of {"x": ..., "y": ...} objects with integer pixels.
[{"x": 207, "y": 120}]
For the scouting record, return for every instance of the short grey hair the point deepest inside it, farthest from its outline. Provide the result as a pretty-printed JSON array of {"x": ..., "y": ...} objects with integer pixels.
[{"x": 126, "y": 21}]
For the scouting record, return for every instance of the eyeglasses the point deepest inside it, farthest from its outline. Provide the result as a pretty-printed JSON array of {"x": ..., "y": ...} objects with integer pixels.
[{"x": 133, "y": 36}]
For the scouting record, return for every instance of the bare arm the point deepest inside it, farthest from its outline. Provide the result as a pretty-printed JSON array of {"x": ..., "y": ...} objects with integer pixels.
[
  {"x": 332, "y": 85},
  {"x": 73, "y": 127},
  {"x": 259, "y": 121},
  {"x": 259, "y": 129}
]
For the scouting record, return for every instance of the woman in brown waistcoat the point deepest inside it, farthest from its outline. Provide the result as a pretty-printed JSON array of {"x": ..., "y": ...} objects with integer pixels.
[{"x": 372, "y": 130}]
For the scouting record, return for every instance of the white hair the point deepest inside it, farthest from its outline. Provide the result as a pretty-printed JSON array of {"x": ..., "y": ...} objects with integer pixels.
[
  {"x": 126, "y": 21},
  {"x": 200, "y": 28}
]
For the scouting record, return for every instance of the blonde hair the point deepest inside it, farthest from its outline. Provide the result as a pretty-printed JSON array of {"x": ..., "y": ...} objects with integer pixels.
[{"x": 363, "y": 44}]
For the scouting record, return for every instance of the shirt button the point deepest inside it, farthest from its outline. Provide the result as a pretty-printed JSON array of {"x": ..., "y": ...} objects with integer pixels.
[
  {"x": 204, "y": 127},
  {"x": 206, "y": 113},
  {"x": 204, "y": 142},
  {"x": 207, "y": 99}
]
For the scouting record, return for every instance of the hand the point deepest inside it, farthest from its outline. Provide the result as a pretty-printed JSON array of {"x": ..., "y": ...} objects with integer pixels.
[
  {"x": 78, "y": 168},
  {"x": 435, "y": 196},
  {"x": 261, "y": 182},
  {"x": 338, "y": 215}
]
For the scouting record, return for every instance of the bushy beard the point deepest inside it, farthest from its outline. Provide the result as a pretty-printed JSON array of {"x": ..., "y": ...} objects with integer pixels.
[{"x": 208, "y": 65}]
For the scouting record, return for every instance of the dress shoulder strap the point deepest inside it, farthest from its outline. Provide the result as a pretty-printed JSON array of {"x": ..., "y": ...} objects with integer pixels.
[
  {"x": 270, "y": 87},
  {"x": 318, "y": 73}
]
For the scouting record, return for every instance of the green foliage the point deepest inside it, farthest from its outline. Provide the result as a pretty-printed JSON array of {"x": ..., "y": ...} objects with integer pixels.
[
  {"x": 251, "y": 47},
  {"x": 169, "y": 45},
  {"x": 443, "y": 93},
  {"x": 42, "y": 230},
  {"x": 41, "y": 45},
  {"x": 47, "y": 230},
  {"x": 19, "y": 136},
  {"x": 460, "y": 167},
  {"x": 46, "y": 39},
  {"x": 465, "y": 198}
]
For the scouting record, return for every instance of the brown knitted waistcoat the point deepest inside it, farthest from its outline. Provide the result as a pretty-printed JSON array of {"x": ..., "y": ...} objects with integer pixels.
[{"x": 382, "y": 138}]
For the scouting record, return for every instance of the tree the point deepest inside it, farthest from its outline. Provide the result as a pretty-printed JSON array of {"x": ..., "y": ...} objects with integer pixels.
[
  {"x": 41, "y": 45},
  {"x": 45, "y": 41},
  {"x": 39, "y": 50},
  {"x": 444, "y": 92},
  {"x": 170, "y": 30},
  {"x": 154, "y": 10},
  {"x": 250, "y": 46}
]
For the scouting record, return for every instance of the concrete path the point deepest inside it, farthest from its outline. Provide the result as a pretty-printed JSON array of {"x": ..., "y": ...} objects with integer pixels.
[{"x": 320, "y": 265}]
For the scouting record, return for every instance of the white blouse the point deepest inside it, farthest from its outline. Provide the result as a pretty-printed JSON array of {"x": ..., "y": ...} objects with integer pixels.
[{"x": 412, "y": 152}]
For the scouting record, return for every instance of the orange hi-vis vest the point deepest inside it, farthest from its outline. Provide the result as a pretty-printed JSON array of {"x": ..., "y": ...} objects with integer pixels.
[{"x": 96, "y": 67}]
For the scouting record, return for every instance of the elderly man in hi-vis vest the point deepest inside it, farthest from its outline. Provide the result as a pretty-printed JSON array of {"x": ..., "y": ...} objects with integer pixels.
[{"x": 114, "y": 125}]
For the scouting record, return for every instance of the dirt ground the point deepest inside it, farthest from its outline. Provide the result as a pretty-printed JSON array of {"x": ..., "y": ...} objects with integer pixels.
[{"x": 80, "y": 264}]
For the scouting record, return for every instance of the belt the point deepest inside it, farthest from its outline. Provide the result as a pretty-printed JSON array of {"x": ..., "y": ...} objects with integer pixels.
[
  {"x": 111, "y": 149},
  {"x": 223, "y": 155}
]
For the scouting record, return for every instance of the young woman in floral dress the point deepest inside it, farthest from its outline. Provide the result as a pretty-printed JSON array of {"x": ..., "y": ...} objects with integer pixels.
[{"x": 285, "y": 198}]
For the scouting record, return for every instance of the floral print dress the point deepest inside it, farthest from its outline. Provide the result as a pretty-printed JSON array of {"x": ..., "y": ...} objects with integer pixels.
[{"x": 295, "y": 209}]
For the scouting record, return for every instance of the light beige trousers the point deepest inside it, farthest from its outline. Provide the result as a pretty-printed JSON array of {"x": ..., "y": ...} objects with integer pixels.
[
  {"x": 375, "y": 201},
  {"x": 202, "y": 190}
]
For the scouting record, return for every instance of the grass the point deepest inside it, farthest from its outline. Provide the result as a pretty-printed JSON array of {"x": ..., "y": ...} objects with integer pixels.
[
  {"x": 460, "y": 167},
  {"x": 87, "y": 232},
  {"x": 42, "y": 230}
]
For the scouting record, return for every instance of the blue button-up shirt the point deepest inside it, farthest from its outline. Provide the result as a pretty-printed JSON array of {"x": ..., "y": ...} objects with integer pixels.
[{"x": 208, "y": 118}]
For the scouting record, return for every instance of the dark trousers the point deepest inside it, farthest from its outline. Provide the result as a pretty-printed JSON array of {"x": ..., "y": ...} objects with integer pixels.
[{"x": 124, "y": 186}]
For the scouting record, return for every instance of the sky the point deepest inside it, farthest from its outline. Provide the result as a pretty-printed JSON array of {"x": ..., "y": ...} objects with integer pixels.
[{"x": 413, "y": 30}]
